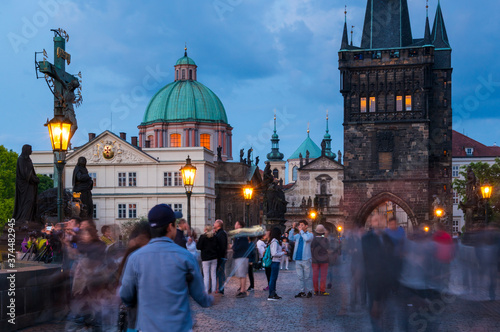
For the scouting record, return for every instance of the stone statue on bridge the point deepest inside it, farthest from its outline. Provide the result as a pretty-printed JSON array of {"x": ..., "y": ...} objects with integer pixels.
[{"x": 25, "y": 205}]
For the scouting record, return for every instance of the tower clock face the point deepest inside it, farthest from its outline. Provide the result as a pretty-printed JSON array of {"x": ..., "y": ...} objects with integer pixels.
[{"x": 108, "y": 152}]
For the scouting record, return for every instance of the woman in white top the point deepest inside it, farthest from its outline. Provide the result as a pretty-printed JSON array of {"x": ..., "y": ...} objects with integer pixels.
[{"x": 276, "y": 253}]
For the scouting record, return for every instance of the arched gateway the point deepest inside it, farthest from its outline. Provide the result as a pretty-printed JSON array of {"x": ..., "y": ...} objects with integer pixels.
[{"x": 384, "y": 198}]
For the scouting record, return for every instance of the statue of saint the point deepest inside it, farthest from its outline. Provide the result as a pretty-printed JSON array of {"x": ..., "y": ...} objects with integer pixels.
[
  {"x": 470, "y": 186},
  {"x": 83, "y": 183},
  {"x": 26, "y": 187},
  {"x": 242, "y": 153},
  {"x": 219, "y": 153}
]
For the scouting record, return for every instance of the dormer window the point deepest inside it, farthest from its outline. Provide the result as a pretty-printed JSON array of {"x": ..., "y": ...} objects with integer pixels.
[{"x": 469, "y": 151}]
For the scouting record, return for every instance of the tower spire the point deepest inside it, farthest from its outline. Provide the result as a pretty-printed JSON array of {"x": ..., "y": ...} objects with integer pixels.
[
  {"x": 427, "y": 33},
  {"x": 439, "y": 35},
  {"x": 395, "y": 31},
  {"x": 328, "y": 141},
  {"x": 275, "y": 154},
  {"x": 185, "y": 49},
  {"x": 345, "y": 39}
]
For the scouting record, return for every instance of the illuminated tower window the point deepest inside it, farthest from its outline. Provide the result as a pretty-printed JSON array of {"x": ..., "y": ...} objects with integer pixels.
[
  {"x": 399, "y": 103},
  {"x": 372, "y": 104},
  {"x": 205, "y": 140},
  {"x": 363, "y": 105},
  {"x": 408, "y": 103},
  {"x": 175, "y": 140}
]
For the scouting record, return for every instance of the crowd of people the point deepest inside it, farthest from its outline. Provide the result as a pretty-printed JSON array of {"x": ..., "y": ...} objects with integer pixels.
[{"x": 144, "y": 282}]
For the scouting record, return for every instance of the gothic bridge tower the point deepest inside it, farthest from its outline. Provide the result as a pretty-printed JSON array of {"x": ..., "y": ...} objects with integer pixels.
[{"x": 397, "y": 117}]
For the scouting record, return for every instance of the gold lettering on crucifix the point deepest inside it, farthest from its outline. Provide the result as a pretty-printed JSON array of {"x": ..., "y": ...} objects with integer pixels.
[{"x": 63, "y": 54}]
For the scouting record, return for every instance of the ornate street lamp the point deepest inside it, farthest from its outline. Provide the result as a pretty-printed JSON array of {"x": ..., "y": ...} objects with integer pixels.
[
  {"x": 486, "y": 191},
  {"x": 59, "y": 132},
  {"x": 247, "y": 194},
  {"x": 313, "y": 214},
  {"x": 188, "y": 175},
  {"x": 439, "y": 212}
]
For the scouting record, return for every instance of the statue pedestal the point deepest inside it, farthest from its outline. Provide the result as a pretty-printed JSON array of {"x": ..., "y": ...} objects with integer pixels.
[{"x": 270, "y": 223}]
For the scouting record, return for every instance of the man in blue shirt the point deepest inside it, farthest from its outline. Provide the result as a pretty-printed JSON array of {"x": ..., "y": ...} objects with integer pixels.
[
  {"x": 302, "y": 258},
  {"x": 160, "y": 277}
]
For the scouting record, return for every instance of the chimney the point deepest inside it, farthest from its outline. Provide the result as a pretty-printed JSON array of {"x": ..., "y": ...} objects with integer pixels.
[
  {"x": 91, "y": 136},
  {"x": 123, "y": 136},
  {"x": 134, "y": 141}
]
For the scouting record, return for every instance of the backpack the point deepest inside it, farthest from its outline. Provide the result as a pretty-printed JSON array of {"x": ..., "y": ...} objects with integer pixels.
[{"x": 267, "y": 259}]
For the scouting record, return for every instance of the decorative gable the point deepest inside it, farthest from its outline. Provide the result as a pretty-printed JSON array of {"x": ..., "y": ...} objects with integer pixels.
[
  {"x": 108, "y": 148},
  {"x": 322, "y": 163}
]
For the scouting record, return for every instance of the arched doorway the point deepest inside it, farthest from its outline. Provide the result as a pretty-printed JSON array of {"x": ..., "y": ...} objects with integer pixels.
[{"x": 389, "y": 205}]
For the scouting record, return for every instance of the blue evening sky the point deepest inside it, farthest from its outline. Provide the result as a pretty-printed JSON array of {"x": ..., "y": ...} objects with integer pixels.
[{"x": 256, "y": 55}]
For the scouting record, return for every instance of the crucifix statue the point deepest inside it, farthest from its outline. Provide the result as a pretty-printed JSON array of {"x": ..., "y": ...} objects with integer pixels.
[{"x": 61, "y": 83}]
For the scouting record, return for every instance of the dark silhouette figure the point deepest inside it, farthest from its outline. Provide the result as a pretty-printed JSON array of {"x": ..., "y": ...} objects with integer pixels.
[
  {"x": 83, "y": 183},
  {"x": 26, "y": 187}
]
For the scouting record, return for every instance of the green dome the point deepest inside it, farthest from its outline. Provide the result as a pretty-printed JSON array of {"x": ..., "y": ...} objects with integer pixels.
[
  {"x": 184, "y": 101},
  {"x": 185, "y": 60},
  {"x": 307, "y": 145}
]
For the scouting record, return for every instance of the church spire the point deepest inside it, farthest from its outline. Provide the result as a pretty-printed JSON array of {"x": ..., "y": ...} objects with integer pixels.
[
  {"x": 328, "y": 141},
  {"x": 345, "y": 39},
  {"x": 427, "y": 33},
  {"x": 439, "y": 35},
  {"x": 394, "y": 30},
  {"x": 275, "y": 154}
]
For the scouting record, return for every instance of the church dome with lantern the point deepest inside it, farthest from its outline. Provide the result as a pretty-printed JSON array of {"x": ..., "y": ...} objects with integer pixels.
[{"x": 186, "y": 113}]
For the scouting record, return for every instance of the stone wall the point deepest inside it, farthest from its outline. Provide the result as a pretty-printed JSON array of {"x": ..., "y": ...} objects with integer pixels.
[{"x": 41, "y": 294}]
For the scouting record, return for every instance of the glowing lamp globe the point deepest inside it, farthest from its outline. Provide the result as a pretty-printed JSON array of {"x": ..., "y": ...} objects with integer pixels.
[
  {"x": 248, "y": 192},
  {"x": 486, "y": 190},
  {"x": 188, "y": 174},
  {"x": 59, "y": 131}
]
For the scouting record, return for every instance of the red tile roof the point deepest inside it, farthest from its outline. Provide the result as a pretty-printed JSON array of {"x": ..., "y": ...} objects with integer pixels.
[{"x": 460, "y": 142}]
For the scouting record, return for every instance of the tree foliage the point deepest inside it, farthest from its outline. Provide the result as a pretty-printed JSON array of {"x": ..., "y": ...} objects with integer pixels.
[
  {"x": 485, "y": 173},
  {"x": 45, "y": 183},
  {"x": 8, "y": 161}
]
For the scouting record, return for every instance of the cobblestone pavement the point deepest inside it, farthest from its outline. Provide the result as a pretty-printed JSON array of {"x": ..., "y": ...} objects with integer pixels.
[{"x": 321, "y": 313}]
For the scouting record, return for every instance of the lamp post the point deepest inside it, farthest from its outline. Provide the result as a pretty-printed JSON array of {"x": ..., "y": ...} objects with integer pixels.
[
  {"x": 486, "y": 190},
  {"x": 247, "y": 194},
  {"x": 188, "y": 174},
  {"x": 59, "y": 132}
]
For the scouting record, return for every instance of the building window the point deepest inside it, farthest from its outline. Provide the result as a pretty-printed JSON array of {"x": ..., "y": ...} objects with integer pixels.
[
  {"x": 294, "y": 173},
  {"x": 455, "y": 197},
  {"x": 455, "y": 225},
  {"x": 372, "y": 104},
  {"x": 399, "y": 103},
  {"x": 177, "y": 208},
  {"x": 209, "y": 211},
  {"x": 122, "y": 179},
  {"x": 175, "y": 140},
  {"x": 385, "y": 147},
  {"x": 172, "y": 179},
  {"x": 455, "y": 171},
  {"x": 132, "y": 179},
  {"x": 94, "y": 213},
  {"x": 408, "y": 103},
  {"x": 122, "y": 210},
  {"x": 469, "y": 151},
  {"x": 276, "y": 173},
  {"x": 190, "y": 74},
  {"x": 177, "y": 74},
  {"x": 93, "y": 176},
  {"x": 205, "y": 140},
  {"x": 363, "y": 105},
  {"x": 132, "y": 210},
  {"x": 150, "y": 139},
  {"x": 384, "y": 161},
  {"x": 209, "y": 180},
  {"x": 184, "y": 74}
]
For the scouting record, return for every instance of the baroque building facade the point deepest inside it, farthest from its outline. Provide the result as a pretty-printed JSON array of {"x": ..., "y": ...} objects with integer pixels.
[{"x": 397, "y": 116}]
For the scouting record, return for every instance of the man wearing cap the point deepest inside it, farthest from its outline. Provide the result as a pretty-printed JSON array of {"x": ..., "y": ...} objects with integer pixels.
[{"x": 160, "y": 276}]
